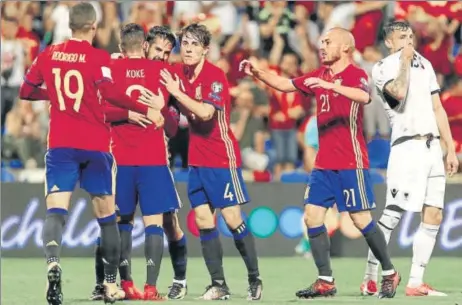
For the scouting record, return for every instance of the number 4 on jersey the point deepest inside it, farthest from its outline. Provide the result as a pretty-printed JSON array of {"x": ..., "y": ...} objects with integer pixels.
[{"x": 228, "y": 194}]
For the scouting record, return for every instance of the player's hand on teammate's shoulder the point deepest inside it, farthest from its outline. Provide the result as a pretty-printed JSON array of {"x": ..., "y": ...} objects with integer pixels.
[
  {"x": 315, "y": 82},
  {"x": 155, "y": 101},
  {"x": 408, "y": 52},
  {"x": 171, "y": 82},
  {"x": 452, "y": 163},
  {"x": 156, "y": 117},
  {"x": 138, "y": 119}
]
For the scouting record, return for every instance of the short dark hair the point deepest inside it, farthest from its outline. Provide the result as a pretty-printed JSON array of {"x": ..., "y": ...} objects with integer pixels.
[
  {"x": 398, "y": 25},
  {"x": 163, "y": 32},
  {"x": 132, "y": 36},
  {"x": 199, "y": 31},
  {"x": 82, "y": 16}
]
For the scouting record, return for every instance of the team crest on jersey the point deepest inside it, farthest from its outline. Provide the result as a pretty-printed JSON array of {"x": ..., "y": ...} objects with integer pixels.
[
  {"x": 217, "y": 87},
  {"x": 198, "y": 95}
]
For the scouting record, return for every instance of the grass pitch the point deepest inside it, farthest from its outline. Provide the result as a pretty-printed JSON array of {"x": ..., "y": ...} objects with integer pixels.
[{"x": 23, "y": 281}]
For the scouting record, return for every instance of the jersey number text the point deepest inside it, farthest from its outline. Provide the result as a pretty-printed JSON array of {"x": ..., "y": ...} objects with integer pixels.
[
  {"x": 325, "y": 103},
  {"x": 141, "y": 88},
  {"x": 228, "y": 194},
  {"x": 417, "y": 62},
  {"x": 65, "y": 81},
  {"x": 350, "y": 198}
]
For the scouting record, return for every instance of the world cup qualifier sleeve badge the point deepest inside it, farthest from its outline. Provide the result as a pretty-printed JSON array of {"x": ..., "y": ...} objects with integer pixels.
[{"x": 215, "y": 91}]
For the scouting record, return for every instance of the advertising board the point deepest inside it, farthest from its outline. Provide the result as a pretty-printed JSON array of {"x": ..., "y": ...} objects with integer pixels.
[{"x": 274, "y": 216}]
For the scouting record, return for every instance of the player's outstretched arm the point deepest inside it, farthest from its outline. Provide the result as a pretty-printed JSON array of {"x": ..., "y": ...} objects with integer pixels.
[
  {"x": 359, "y": 94},
  {"x": 203, "y": 111},
  {"x": 273, "y": 80},
  {"x": 395, "y": 91},
  {"x": 445, "y": 132}
]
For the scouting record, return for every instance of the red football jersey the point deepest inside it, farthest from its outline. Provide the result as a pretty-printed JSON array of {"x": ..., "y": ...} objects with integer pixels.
[
  {"x": 133, "y": 144},
  {"x": 211, "y": 143},
  {"x": 340, "y": 120},
  {"x": 74, "y": 73}
]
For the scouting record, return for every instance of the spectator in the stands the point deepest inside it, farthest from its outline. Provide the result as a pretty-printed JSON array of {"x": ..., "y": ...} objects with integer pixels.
[
  {"x": 249, "y": 131},
  {"x": 24, "y": 136},
  {"x": 13, "y": 63}
]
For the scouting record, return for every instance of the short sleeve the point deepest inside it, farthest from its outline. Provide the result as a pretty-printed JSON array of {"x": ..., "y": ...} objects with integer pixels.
[
  {"x": 311, "y": 134},
  {"x": 34, "y": 76},
  {"x": 102, "y": 69},
  {"x": 382, "y": 74},
  {"x": 216, "y": 92},
  {"x": 298, "y": 83},
  {"x": 434, "y": 86}
]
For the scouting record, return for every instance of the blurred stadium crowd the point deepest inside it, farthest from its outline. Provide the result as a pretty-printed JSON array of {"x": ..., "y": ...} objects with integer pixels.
[{"x": 276, "y": 131}]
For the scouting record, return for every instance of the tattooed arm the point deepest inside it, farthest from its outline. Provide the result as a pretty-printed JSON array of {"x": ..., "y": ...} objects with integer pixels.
[{"x": 395, "y": 91}]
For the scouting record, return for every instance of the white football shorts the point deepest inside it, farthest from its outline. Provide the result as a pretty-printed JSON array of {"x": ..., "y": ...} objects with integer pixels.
[{"x": 416, "y": 175}]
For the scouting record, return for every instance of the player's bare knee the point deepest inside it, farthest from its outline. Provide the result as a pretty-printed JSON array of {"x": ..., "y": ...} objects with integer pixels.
[
  {"x": 103, "y": 206},
  {"x": 153, "y": 220},
  {"x": 361, "y": 219},
  {"x": 59, "y": 200},
  {"x": 171, "y": 226},
  {"x": 232, "y": 216},
  {"x": 314, "y": 215},
  {"x": 204, "y": 217},
  {"x": 432, "y": 215}
]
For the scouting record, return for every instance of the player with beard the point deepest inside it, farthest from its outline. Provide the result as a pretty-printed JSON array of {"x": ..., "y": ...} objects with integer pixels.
[
  {"x": 160, "y": 41},
  {"x": 341, "y": 173}
]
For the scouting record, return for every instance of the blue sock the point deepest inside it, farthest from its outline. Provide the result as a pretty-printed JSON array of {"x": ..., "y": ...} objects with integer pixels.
[
  {"x": 53, "y": 233},
  {"x": 213, "y": 254},
  {"x": 107, "y": 219},
  {"x": 178, "y": 255},
  {"x": 153, "y": 251},
  {"x": 245, "y": 244},
  {"x": 312, "y": 232},
  {"x": 125, "y": 270},
  {"x": 320, "y": 249},
  {"x": 368, "y": 228}
]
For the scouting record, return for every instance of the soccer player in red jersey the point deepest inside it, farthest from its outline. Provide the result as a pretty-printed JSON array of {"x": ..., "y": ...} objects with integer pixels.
[
  {"x": 76, "y": 76},
  {"x": 215, "y": 177},
  {"x": 130, "y": 149},
  {"x": 341, "y": 171}
]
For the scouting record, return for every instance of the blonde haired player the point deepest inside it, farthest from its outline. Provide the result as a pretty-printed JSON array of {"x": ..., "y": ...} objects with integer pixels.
[{"x": 416, "y": 173}]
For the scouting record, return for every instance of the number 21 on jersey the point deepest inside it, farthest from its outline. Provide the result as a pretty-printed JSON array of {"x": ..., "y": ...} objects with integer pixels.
[
  {"x": 63, "y": 88},
  {"x": 325, "y": 103}
]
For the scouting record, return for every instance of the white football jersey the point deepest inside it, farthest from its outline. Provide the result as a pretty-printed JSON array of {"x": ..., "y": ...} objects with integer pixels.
[{"x": 417, "y": 117}]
